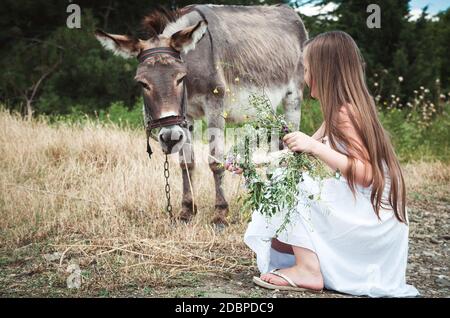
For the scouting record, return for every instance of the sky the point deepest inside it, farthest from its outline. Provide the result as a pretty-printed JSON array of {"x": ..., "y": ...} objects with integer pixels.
[
  {"x": 416, "y": 6},
  {"x": 434, "y": 6}
]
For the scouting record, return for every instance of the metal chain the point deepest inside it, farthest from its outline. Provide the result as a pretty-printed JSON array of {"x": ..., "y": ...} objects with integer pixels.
[{"x": 167, "y": 188}]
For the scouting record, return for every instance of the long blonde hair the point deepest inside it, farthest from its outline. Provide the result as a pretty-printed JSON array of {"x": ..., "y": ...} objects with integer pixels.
[{"x": 338, "y": 76}]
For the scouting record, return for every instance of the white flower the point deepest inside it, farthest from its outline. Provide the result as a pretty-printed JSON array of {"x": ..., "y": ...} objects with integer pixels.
[
  {"x": 375, "y": 84},
  {"x": 427, "y": 90},
  {"x": 400, "y": 79}
]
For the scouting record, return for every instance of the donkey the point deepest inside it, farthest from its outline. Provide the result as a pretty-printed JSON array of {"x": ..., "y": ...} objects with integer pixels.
[{"x": 227, "y": 52}]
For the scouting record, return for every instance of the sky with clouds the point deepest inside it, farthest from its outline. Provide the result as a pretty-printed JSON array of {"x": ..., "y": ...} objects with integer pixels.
[
  {"x": 416, "y": 6},
  {"x": 434, "y": 6}
]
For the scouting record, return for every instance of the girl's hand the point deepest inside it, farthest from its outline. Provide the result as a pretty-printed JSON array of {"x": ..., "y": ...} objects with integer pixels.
[
  {"x": 233, "y": 169},
  {"x": 298, "y": 141}
]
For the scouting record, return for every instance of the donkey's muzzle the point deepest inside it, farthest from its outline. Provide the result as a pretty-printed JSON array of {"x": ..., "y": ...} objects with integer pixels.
[{"x": 169, "y": 138}]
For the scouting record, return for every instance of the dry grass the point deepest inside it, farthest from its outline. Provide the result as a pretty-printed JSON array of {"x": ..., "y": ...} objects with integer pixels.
[
  {"x": 423, "y": 174},
  {"x": 91, "y": 194}
]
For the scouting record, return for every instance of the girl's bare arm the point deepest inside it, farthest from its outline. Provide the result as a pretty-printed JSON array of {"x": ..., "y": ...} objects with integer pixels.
[{"x": 336, "y": 160}]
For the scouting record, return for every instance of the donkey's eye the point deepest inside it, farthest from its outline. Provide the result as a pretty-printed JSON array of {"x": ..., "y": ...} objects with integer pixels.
[
  {"x": 144, "y": 85},
  {"x": 180, "y": 80}
]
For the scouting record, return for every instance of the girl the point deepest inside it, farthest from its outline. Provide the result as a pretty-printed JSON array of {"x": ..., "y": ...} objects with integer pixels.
[{"x": 354, "y": 239}]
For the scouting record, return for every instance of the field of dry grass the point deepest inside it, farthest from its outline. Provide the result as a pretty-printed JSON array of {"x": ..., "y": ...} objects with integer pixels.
[{"x": 88, "y": 195}]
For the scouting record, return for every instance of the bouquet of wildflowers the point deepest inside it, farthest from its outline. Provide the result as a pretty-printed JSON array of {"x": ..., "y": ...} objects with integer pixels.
[{"x": 277, "y": 189}]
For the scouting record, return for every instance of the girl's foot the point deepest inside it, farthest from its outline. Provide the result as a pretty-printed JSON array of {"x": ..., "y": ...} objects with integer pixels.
[{"x": 299, "y": 276}]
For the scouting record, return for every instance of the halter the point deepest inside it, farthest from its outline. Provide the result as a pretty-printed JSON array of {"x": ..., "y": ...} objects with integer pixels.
[{"x": 169, "y": 120}]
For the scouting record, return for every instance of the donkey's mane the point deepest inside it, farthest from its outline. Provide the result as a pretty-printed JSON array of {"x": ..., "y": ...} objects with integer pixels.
[{"x": 154, "y": 23}]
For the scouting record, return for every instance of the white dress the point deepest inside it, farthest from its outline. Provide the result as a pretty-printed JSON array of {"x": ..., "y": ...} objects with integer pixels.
[{"x": 358, "y": 253}]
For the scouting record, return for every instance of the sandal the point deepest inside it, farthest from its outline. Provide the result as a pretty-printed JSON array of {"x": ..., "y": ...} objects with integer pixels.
[{"x": 293, "y": 287}]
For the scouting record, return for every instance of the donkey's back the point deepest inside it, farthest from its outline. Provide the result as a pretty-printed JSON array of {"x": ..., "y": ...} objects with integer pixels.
[{"x": 254, "y": 49}]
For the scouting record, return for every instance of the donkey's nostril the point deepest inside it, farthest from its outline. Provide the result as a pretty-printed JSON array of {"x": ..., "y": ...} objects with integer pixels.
[{"x": 169, "y": 138}]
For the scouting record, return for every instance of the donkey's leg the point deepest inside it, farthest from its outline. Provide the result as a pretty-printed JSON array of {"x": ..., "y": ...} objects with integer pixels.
[
  {"x": 291, "y": 105},
  {"x": 294, "y": 96},
  {"x": 216, "y": 127},
  {"x": 221, "y": 206},
  {"x": 187, "y": 164}
]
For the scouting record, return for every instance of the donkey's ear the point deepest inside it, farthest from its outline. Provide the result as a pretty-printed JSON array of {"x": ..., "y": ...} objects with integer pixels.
[
  {"x": 121, "y": 45},
  {"x": 186, "y": 39}
]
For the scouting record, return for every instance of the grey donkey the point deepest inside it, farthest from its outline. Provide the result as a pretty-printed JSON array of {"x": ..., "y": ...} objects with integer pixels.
[{"x": 227, "y": 53}]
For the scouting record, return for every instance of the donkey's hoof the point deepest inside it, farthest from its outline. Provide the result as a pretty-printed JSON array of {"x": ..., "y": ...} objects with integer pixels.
[
  {"x": 219, "y": 224},
  {"x": 184, "y": 218},
  {"x": 219, "y": 227},
  {"x": 186, "y": 214},
  {"x": 220, "y": 220}
]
